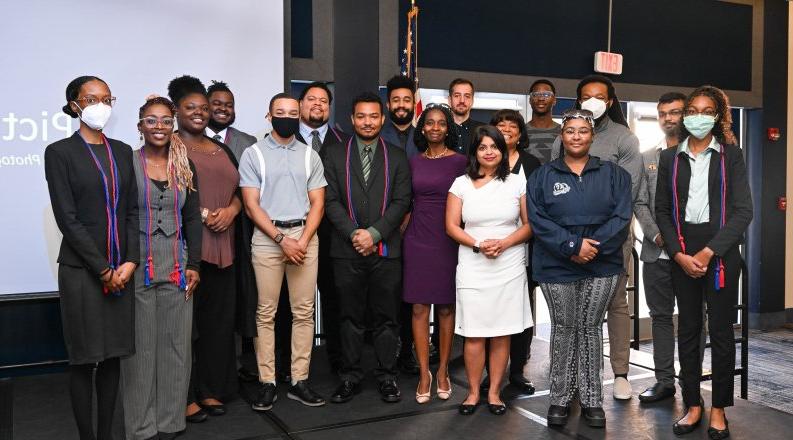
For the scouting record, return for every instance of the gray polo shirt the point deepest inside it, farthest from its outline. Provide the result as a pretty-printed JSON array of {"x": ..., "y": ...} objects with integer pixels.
[{"x": 286, "y": 186}]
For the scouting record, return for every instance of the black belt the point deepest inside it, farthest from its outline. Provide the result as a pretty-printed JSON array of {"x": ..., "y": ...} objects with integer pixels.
[{"x": 289, "y": 224}]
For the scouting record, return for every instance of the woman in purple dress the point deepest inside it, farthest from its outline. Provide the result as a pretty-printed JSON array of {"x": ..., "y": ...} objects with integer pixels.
[{"x": 430, "y": 256}]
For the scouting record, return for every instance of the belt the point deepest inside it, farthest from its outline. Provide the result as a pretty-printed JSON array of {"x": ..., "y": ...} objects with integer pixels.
[{"x": 289, "y": 223}]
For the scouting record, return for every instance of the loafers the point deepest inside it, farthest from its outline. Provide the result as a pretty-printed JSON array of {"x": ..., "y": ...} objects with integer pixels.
[
  {"x": 389, "y": 391},
  {"x": 595, "y": 416},
  {"x": 622, "y": 389},
  {"x": 557, "y": 415},
  {"x": 656, "y": 393},
  {"x": 305, "y": 395},
  {"x": 521, "y": 383},
  {"x": 345, "y": 392}
]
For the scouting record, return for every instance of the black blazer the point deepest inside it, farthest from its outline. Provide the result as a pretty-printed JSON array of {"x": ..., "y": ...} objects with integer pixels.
[
  {"x": 739, "y": 199},
  {"x": 367, "y": 197},
  {"x": 528, "y": 163},
  {"x": 78, "y": 202}
]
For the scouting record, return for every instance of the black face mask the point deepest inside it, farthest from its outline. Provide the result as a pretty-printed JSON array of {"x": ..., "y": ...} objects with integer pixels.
[{"x": 285, "y": 127}]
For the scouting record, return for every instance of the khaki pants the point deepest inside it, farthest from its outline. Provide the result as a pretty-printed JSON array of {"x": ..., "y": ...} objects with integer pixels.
[
  {"x": 619, "y": 318},
  {"x": 269, "y": 266}
]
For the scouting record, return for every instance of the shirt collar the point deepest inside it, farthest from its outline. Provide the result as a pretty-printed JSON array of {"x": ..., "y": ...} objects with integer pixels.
[
  {"x": 222, "y": 133},
  {"x": 273, "y": 144},
  {"x": 713, "y": 145},
  {"x": 362, "y": 144},
  {"x": 305, "y": 132}
]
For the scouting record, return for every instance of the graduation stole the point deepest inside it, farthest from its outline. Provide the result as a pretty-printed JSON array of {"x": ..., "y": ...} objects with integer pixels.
[{"x": 382, "y": 248}]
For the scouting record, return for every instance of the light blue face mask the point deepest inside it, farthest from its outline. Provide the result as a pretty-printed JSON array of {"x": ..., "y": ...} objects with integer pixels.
[{"x": 699, "y": 125}]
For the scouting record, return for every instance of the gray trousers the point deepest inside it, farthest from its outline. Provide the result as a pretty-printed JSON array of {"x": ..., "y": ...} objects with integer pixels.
[
  {"x": 577, "y": 310},
  {"x": 661, "y": 301},
  {"x": 156, "y": 377}
]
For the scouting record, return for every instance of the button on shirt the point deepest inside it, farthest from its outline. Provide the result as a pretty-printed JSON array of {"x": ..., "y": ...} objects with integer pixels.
[
  {"x": 698, "y": 205},
  {"x": 286, "y": 187},
  {"x": 376, "y": 235}
]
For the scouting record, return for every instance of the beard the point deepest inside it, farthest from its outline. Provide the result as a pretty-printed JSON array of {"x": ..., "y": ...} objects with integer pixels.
[
  {"x": 315, "y": 122},
  {"x": 217, "y": 127},
  {"x": 672, "y": 132},
  {"x": 366, "y": 138},
  {"x": 403, "y": 119}
]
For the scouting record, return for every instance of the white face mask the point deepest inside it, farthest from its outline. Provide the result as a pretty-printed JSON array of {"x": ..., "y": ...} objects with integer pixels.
[
  {"x": 596, "y": 106},
  {"x": 96, "y": 116}
]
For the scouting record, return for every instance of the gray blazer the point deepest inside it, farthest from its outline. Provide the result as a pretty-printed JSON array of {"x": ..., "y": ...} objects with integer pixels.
[
  {"x": 644, "y": 209},
  {"x": 239, "y": 141}
]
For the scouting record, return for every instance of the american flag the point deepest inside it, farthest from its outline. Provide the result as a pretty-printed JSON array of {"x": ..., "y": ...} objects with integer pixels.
[{"x": 410, "y": 66}]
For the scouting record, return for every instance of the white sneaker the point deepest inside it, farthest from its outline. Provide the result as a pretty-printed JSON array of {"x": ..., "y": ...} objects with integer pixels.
[{"x": 622, "y": 389}]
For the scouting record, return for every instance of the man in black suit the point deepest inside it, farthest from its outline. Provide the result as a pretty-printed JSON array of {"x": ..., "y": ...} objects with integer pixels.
[
  {"x": 315, "y": 131},
  {"x": 221, "y": 117},
  {"x": 367, "y": 196}
]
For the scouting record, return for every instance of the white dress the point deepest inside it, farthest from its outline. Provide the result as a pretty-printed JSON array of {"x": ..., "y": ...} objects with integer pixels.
[{"x": 492, "y": 293}]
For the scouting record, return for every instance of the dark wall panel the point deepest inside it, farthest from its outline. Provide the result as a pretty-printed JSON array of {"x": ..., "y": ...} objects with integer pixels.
[
  {"x": 302, "y": 29},
  {"x": 670, "y": 42}
]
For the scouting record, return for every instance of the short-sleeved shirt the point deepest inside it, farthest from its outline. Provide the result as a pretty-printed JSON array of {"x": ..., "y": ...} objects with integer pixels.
[
  {"x": 286, "y": 186},
  {"x": 541, "y": 141}
]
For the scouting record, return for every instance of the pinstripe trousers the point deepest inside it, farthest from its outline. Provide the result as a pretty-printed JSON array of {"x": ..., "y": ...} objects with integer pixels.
[
  {"x": 156, "y": 377},
  {"x": 577, "y": 310}
]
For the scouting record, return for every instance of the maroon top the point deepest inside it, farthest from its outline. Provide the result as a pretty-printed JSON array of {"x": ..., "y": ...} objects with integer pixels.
[{"x": 218, "y": 180}]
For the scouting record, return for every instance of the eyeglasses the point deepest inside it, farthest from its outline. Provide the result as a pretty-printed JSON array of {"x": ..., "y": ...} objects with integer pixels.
[
  {"x": 91, "y": 100},
  {"x": 541, "y": 95},
  {"x": 707, "y": 112},
  {"x": 151, "y": 122},
  {"x": 579, "y": 114},
  {"x": 674, "y": 113}
]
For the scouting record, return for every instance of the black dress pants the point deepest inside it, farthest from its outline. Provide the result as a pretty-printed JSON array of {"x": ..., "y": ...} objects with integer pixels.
[
  {"x": 329, "y": 300},
  {"x": 689, "y": 293},
  {"x": 370, "y": 291}
]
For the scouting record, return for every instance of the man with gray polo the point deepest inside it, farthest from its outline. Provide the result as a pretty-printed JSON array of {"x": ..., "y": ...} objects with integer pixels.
[{"x": 283, "y": 189}]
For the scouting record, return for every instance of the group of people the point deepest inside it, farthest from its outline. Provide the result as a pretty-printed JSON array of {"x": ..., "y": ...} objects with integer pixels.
[{"x": 205, "y": 231}]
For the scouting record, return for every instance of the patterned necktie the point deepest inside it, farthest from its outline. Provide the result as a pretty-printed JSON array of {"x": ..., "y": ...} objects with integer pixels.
[
  {"x": 316, "y": 143},
  {"x": 366, "y": 162},
  {"x": 217, "y": 138}
]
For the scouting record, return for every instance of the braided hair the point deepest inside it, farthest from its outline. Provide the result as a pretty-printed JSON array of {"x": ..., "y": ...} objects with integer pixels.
[{"x": 179, "y": 172}]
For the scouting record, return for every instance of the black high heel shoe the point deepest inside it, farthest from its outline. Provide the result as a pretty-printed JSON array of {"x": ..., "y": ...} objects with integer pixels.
[
  {"x": 720, "y": 434},
  {"x": 681, "y": 429}
]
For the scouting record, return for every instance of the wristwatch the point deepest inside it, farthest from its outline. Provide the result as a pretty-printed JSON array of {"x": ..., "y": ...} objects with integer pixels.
[
  {"x": 278, "y": 238},
  {"x": 476, "y": 247}
]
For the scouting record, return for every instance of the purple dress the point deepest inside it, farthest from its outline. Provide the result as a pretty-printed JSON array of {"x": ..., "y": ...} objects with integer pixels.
[{"x": 429, "y": 254}]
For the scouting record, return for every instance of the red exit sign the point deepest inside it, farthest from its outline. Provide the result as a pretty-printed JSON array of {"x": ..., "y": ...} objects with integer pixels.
[{"x": 608, "y": 62}]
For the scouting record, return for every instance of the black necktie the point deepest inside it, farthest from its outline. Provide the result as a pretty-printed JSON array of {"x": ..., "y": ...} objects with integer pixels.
[
  {"x": 316, "y": 143},
  {"x": 217, "y": 138}
]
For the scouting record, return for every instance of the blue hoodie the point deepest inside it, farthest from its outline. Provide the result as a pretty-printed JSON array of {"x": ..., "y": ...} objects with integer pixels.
[{"x": 565, "y": 208}]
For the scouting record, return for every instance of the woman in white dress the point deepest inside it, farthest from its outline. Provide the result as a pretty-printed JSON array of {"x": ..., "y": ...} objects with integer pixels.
[{"x": 492, "y": 286}]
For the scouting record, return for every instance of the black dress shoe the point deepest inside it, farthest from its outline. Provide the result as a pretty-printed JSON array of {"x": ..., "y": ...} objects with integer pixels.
[
  {"x": 719, "y": 434},
  {"x": 407, "y": 364},
  {"x": 498, "y": 409},
  {"x": 345, "y": 392},
  {"x": 389, "y": 391},
  {"x": 657, "y": 393},
  {"x": 305, "y": 395},
  {"x": 467, "y": 410},
  {"x": 521, "y": 383},
  {"x": 167, "y": 435},
  {"x": 213, "y": 410},
  {"x": 247, "y": 376},
  {"x": 265, "y": 397},
  {"x": 198, "y": 417},
  {"x": 595, "y": 416},
  {"x": 557, "y": 415}
]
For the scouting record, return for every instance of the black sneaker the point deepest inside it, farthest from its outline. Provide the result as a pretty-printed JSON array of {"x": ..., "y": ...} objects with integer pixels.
[
  {"x": 265, "y": 397},
  {"x": 305, "y": 395}
]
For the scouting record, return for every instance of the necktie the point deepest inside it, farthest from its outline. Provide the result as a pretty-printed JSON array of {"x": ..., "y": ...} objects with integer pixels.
[
  {"x": 316, "y": 143},
  {"x": 217, "y": 138},
  {"x": 366, "y": 162}
]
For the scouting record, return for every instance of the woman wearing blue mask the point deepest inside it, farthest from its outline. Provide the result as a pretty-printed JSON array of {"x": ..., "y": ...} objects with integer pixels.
[
  {"x": 94, "y": 199},
  {"x": 703, "y": 207}
]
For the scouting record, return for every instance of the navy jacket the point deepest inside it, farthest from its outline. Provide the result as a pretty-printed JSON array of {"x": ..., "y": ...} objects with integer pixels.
[
  {"x": 389, "y": 134},
  {"x": 565, "y": 208}
]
